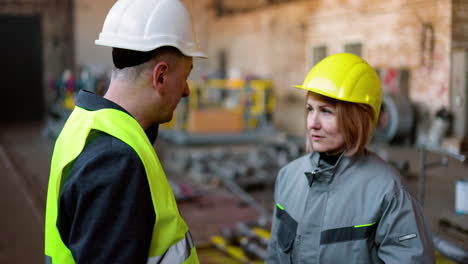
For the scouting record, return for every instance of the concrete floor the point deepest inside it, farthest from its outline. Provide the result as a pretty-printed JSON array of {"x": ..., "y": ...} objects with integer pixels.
[{"x": 24, "y": 165}]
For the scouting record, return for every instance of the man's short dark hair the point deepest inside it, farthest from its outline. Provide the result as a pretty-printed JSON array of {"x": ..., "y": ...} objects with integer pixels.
[{"x": 123, "y": 58}]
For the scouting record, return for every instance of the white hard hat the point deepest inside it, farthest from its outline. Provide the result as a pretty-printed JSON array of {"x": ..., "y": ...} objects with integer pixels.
[{"x": 144, "y": 25}]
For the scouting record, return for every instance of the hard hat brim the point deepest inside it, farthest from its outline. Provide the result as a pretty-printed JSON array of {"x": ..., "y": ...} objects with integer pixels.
[
  {"x": 317, "y": 91},
  {"x": 196, "y": 54},
  {"x": 188, "y": 49}
]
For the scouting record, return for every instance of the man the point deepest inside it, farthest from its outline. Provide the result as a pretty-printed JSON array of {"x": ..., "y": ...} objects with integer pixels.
[{"x": 108, "y": 199}]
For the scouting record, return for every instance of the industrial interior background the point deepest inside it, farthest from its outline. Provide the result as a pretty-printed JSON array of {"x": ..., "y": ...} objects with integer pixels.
[{"x": 229, "y": 138}]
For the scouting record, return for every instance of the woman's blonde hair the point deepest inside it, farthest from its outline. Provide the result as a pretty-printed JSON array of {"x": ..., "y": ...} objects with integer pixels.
[{"x": 354, "y": 121}]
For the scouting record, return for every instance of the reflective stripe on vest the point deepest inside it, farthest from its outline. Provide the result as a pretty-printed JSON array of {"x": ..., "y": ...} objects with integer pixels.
[
  {"x": 170, "y": 230},
  {"x": 177, "y": 253}
]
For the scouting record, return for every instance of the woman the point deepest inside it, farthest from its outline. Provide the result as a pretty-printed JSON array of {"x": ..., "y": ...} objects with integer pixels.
[{"x": 341, "y": 203}]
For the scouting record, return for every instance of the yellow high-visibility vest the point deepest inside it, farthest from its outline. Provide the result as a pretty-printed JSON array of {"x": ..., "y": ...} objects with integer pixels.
[{"x": 171, "y": 241}]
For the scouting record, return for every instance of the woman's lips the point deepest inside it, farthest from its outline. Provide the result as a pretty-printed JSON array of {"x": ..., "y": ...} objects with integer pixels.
[{"x": 316, "y": 137}]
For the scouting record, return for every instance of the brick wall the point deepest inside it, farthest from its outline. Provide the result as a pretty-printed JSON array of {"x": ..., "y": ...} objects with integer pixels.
[
  {"x": 460, "y": 24},
  {"x": 277, "y": 42},
  {"x": 90, "y": 15},
  {"x": 391, "y": 33}
]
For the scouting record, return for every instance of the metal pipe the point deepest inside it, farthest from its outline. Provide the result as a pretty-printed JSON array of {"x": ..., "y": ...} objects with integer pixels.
[
  {"x": 233, "y": 187},
  {"x": 450, "y": 250},
  {"x": 442, "y": 151},
  {"x": 443, "y": 162},
  {"x": 423, "y": 166}
]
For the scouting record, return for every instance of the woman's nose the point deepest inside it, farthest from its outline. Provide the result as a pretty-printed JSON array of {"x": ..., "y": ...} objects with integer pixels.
[{"x": 313, "y": 121}]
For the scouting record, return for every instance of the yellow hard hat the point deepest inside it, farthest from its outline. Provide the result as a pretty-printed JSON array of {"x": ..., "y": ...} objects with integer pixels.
[{"x": 346, "y": 77}]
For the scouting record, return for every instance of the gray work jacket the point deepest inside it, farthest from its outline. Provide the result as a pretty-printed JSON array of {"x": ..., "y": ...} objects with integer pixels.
[{"x": 356, "y": 211}]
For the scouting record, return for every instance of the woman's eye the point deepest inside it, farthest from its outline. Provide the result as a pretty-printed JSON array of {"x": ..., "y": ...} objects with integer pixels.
[
  {"x": 327, "y": 111},
  {"x": 310, "y": 108}
]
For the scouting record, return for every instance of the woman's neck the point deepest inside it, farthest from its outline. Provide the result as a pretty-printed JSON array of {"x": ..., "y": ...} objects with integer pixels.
[{"x": 330, "y": 159}]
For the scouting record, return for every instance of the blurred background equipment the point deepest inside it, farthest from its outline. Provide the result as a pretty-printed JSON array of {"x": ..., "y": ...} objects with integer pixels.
[
  {"x": 439, "y": 127},
  {"x": 220, "y": 111},
  {"x": 245, "y": 242},
  {"x": 396, "y": 120},
  {"x": 63, "y": 91},
  {"x": 452, "y": 245},
  {"x": 250, "y": 167},
  {"x": 461, "y": 196}
]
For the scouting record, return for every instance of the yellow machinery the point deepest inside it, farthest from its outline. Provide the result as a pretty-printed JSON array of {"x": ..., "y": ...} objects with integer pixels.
[
  {"x": 220, "y": 107},
  {"x": 243, "y": 243},
  {"x": 262, "y": 103}
]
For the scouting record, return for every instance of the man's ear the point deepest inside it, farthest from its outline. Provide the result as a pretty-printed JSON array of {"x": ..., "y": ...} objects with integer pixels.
[{"x": 160, "y": 75}]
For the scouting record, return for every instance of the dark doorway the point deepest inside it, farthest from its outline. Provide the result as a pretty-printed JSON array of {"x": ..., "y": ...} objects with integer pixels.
[{"x": 22, "y": 93}]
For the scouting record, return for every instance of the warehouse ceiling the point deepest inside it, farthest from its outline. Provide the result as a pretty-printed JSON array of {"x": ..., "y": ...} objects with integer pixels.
[
  {"x": 34, "y": 3},
  {"x": 230, "y": 7}
]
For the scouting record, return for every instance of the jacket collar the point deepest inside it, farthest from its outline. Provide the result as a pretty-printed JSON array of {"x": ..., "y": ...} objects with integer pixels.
[
  {"x": 94, "y": 102},
  {"x": 323, "y": 172}
]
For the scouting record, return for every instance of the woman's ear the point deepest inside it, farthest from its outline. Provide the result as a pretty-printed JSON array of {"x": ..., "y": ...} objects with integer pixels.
[{"x": 160, "y": 75}]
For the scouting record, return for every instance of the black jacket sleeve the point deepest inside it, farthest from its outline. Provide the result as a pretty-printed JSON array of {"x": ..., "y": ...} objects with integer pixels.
[{"x": 105, "y": 210}]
